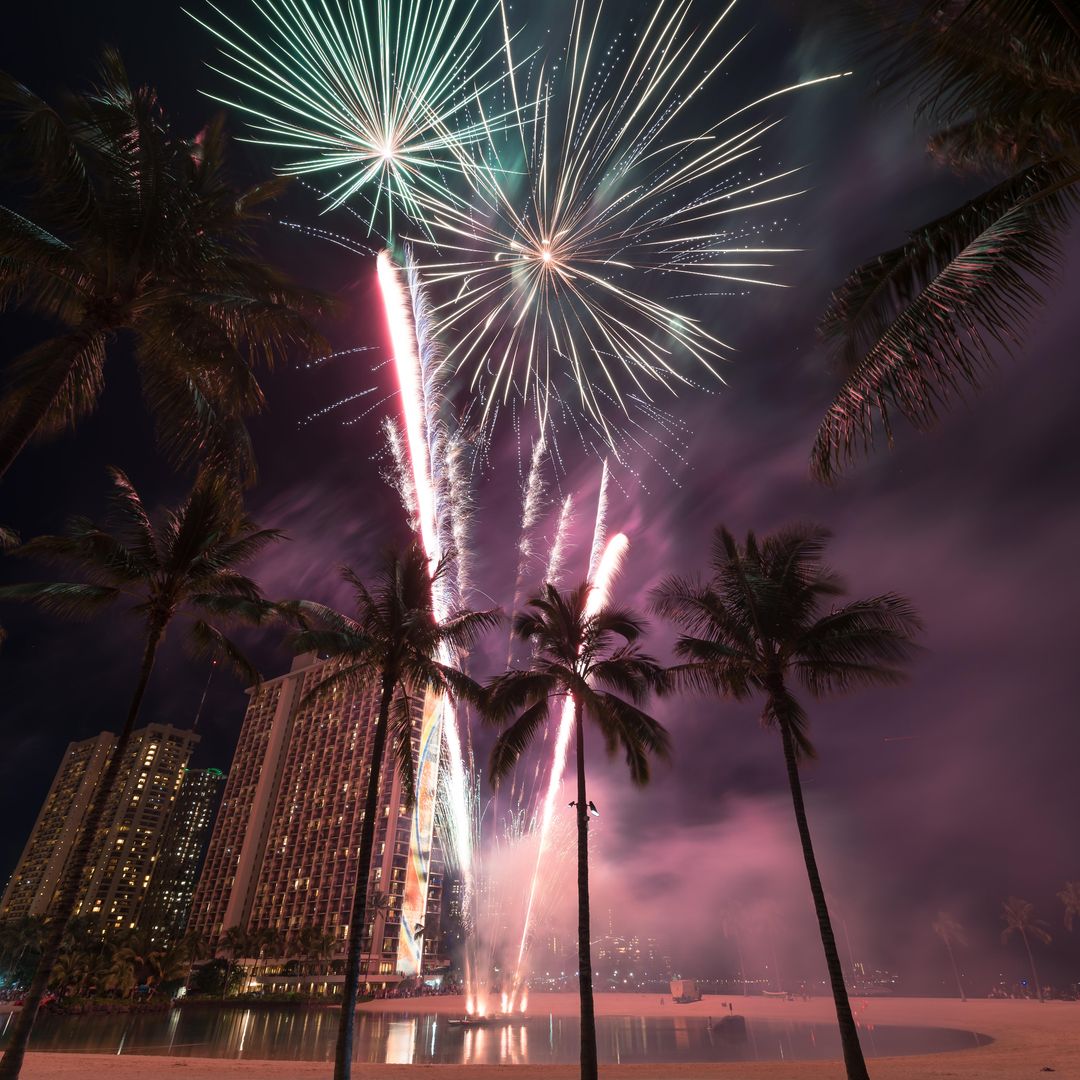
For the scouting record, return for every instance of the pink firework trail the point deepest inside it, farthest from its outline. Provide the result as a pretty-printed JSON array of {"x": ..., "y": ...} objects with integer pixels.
[{"x": 407, "y": 364}]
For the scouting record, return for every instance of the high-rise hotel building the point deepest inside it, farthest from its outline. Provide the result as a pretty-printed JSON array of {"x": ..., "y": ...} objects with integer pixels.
[
  {"x": 129, "y": 839},
  {"x": 283, "y": 854},
  {"x": 168, "y": 901}
]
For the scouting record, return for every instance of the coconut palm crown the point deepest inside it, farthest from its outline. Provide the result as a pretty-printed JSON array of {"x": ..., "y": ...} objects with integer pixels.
[
  {"x": 593, "y": 658},
  {"x": 1070, "y": 899},
  {"x": 128, "y": 228}
]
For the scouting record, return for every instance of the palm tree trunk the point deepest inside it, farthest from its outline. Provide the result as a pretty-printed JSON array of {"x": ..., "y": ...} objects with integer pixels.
[
  {"x": 63, "y": 907},
  {"x": 354, "y": 955},
  {"x": 849, "y": 1035},
  {"x": 956, "y": 971},
  {"x": 1031, "y": 961},
  {"x": 585, "y": 986}
]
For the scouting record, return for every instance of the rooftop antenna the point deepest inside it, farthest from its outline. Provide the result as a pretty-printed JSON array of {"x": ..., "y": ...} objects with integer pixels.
[{"x": 202, "y": 700}]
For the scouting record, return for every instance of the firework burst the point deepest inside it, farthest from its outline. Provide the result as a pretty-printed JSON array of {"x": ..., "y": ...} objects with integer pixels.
[
  {"x": 383, "y": 95},
  {"x": 592, "y": 207}
]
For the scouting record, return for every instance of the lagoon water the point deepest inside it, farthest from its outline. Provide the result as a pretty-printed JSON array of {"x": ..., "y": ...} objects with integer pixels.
[{"x": 395, "y": 1038}]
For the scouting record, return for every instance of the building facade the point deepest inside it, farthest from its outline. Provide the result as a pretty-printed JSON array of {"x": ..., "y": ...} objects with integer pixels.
[
  {"x": 37, "y": 873},
  {"x": 168, "y": 900},
  {"x": 282, "y": 859},
  {"x": 129, "y": 839}
]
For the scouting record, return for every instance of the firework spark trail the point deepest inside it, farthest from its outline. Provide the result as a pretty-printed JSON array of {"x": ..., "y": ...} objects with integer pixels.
[
  {"x": 554, "y": 570},
  {"x": 457, "y": 477},
  {"x": 408, "y": 361},
  {"x": 401, "y": 474},
  {"x": 600, "y": 529},
  {"x": 532, "y": 504},
  {"x": 607, "y": 567}
]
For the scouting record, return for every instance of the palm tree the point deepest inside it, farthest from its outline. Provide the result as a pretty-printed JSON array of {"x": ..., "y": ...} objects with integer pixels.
[
  {"x": 1070, "y": 898},
  {"x": 17, "y": 938},
  {"x": 195, "y": 946},
  {"x": 70, "y": 971},
  {"x": 130, "y": 228},
  {"x": 266, "y": 938},
  {"x": 183, "y": 566},
  {"x": 315, "y": 944},
  {"x": 951, "y": 934},
  {"x": 1019, "y": 916},
  {"x": 236, "y": 941},
  {"x": 393, "y": 644},
  {"x": 756, "y": 627},
  {"x": 167, "y": 963},
  {"x": 916, "y": 327},
  {"x": 123, "y": 973},
  {"x": 378, "y": 905},
  {"x": 581, "y": 652}
]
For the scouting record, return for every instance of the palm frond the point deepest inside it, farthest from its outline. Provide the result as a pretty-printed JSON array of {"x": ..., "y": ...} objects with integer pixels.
[
  {"x": 781, "y": 708},
  {"x": 308, "y": 613},
  {"x": 463, "y": 630},
  {"x": 252, "y": 611},
  {"x": 623, "y": 622},
  {"x": 862, "y": 644},
  {"x": 513, "y": 691},
  {"x": 70, "y": 600},
  {"x": 354, "y": 676},
  {"x": 41, "y": 147},
  {"x": 515, "y": 739},
  {"x": 49, "y": 387},
  {"x": 332, "y": 643},
  {"x": 712, "y": 670},
  {"x": 979, "y": 57},
  {"x": 401, "y": 733},
  {"x": 207, "y": 640},
  {"x": 640, "y": 736},
  {"x": 129, "y": 508},
  {"x": 918, "y": 326},
  {"x": 631, "y": 673}
]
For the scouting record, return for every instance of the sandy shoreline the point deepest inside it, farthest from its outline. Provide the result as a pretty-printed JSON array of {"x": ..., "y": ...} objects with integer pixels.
[{"x": 1028, "y": 1036}]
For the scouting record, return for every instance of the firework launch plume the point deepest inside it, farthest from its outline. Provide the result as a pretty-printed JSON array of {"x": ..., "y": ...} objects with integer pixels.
[{"x": 423, "y": 438}]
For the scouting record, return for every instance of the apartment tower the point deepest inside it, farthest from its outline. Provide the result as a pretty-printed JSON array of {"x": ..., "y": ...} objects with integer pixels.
[
  {"x": 130, "y": 837},
  {"x": 168, "y": 900}
]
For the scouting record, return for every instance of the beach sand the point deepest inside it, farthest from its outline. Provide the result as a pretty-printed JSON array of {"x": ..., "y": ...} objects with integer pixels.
[{"x": 1029, "y": 1038}]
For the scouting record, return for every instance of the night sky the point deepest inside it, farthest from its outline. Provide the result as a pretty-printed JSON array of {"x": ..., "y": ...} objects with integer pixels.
[{"x": 954, "y": 791}]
